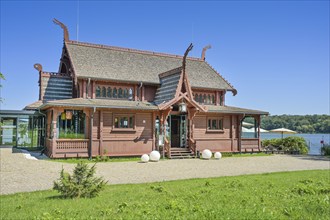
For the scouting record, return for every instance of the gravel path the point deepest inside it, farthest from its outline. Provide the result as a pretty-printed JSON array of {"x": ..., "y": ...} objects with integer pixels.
[{"x": 19, "y": 174}]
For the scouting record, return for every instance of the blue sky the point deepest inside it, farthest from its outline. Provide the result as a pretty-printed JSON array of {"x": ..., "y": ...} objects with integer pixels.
[{"x": 276, "y": 54}]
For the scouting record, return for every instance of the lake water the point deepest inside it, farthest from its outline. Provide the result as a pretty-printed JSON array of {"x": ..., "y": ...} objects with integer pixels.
[{"x": 312, "y": 140}]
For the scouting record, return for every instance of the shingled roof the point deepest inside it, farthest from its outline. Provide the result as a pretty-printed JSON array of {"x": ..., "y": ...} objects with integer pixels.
[
  {"x": 234, "y": 110},
  {"x": 120, "y": 64},
  {"x": 100, "y": 103}
]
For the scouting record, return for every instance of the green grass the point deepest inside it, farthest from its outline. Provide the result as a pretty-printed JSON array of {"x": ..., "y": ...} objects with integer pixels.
[{"x": 287, "y": 195}]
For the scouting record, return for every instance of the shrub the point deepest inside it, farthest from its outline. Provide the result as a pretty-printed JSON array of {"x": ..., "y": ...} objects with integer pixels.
[
  {"x": 81, "y": 183},
  {"x": 325, "y": 150},
  {"x": 295, "y": 144},
  {"x": 287, "y": 144}
]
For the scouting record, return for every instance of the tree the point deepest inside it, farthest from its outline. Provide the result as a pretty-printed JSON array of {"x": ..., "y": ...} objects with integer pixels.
[{"x": 81, "y": 183}]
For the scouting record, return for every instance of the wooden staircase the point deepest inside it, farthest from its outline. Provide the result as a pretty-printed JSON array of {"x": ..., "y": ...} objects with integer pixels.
[{"x": 181, "y": 153}]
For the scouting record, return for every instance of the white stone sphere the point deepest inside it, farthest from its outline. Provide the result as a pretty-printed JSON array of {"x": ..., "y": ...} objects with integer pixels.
[
  {"x": 145, "y": 158},
  {"x": 206, "y": 154},
  {"x": 154, "y": 156},
  {"x": 217, "y": 155}
]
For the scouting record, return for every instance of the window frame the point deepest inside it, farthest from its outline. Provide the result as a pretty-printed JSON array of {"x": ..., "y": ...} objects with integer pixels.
[
  {"x": 62, "y": 119},
  {"x": 219, "y": 120},
  {"x": 114, "y": 92},
  {"x": 122, "y": 115}
]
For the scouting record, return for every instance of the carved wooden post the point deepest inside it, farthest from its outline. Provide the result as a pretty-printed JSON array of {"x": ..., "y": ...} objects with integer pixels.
[
  {"x": 191, "y": 115},
  {"x": 153, "y": 130},
  {"x": 217, "y": 98},
  {"x": 54, "y": 132},
  {"x": 135, "y": 93},
  {"x": 223, "y": 98},
  {"x": 232, "y": 127},
  {"x": 239, "y": 123},
  {"x": 93, "y": 90},
  {"x": 259, "y": 122},
  {"x": 142, "y": 94},
  {"x": 101, "y": 151},
  {"x": 84, "y": 88}
]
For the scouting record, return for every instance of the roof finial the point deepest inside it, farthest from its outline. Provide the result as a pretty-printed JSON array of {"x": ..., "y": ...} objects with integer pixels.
[
  {"x": 185, "y": 56},
  {"x": 204, "y": 50},
  {"x": 38, "y": 67},
  {"x": 65, "y": 29}
]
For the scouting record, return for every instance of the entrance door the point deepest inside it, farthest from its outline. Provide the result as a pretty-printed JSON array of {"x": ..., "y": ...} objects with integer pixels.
[{"x": 178, "y": 131}]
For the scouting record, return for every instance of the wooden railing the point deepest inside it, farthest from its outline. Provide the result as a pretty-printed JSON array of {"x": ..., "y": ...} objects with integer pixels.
[
  {"x": 250, "y": 143},
  {"x": 71, "y": 144}
]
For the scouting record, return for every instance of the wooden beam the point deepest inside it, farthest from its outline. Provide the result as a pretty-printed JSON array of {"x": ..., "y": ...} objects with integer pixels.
[
  {"x": 135, "y": 93},
  {"x": 232, "y": 127},
  {"x": 142, "y": 94},
  {"x": 259, "y": 141},
  {"x": 153, "y": 130},
  {"x": 93, "y": 90},
  {"x": 217, "y": 98},
  {"x": 54, "y": 135},
  {"x": 84, "y": 89},
  {"x": 101, "y": 151}
]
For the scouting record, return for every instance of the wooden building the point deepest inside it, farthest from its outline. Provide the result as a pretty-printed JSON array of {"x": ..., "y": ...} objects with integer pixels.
[{"x": 115, "y": 101}]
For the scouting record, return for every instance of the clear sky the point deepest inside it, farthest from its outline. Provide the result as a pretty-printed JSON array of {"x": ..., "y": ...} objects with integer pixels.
[{"x": 275, "y": 53}]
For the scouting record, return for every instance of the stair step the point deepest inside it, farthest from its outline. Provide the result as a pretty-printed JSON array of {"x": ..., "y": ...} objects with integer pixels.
[
  {"x": 183, "y": 157},
  {"x": 180, "y": 149},
  {"x": 181, "y": 153}
]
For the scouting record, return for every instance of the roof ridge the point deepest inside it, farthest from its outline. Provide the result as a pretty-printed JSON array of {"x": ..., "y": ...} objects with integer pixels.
[
  {"x": 131, "y": 50},
  {"x": 234, "y": 90}
]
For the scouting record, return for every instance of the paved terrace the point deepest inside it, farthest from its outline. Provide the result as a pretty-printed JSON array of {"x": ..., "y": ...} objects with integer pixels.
[{"x": 19, "y": 174}]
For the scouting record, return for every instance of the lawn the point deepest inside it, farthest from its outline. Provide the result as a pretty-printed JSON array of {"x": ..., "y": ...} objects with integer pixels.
[{"x": 287, "y": 195}]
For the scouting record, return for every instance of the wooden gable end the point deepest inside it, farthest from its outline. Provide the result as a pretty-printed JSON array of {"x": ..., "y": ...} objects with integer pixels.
[{"x": 183, "y": 89}]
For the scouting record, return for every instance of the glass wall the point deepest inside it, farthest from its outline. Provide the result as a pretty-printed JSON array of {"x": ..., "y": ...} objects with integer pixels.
[
  {"x": 8, "y": 131},
  {"x": 22, "y": 130}
]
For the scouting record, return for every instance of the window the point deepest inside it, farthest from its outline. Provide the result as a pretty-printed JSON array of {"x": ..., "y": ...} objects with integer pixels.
[
  {"x": 124, "y": 121},
  {"x": 200, "y": 98},
  {"x": 109, "y": 92},
  {"x": 130, "y": 94},
  {"x": 114, "y": 93},
  {"x": 71, "y": 125},
  {"x": 196, "y": 97},
  {"x": 120, "y": 93},
  {"x": 104, "y": 92},
  {"x": 125, "y": 93},
  {"x": 215, "y": 124},
  {"x": 213, "y": 99},
  {"x": 98, "y": 91}
]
